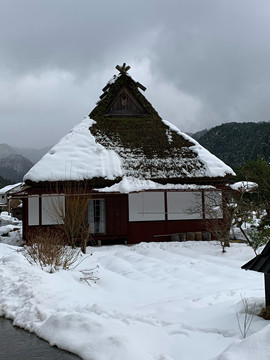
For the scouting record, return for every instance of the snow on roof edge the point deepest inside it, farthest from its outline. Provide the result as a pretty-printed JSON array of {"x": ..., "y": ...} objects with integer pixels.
[
  {"x": 214, "y": 166},
  {"x": 244, "y": 186},
  {"x": 130, "y": 184}
]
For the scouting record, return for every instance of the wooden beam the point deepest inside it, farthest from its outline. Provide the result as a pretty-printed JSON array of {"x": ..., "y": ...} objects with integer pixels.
[
  {"x": 141, "y": 86},
  {"x": 123, "y": 69},
  {"x": 106, "y": 87}
]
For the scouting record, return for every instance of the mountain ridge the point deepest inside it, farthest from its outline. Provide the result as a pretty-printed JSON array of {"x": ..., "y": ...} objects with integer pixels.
[
  {"x": 236, "y": 143},
  {"x": 13, "y": 166}
]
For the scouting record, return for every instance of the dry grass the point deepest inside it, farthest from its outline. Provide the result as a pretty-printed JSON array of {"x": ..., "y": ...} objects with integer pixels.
[{"x": 265, "y": 313}]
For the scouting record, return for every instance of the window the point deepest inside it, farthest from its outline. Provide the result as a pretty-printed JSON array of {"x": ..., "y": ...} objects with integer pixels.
[
  {"x": 53, "y": 209},
  {"x": 184, "y": 205},
  {"x": 146, "y": 206},
  {"x": 96, "y": 216},
  {"x": 33, "y": 210}
]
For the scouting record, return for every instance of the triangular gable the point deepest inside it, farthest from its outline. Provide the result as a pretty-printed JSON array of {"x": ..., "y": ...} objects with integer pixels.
[
  {"x": 124, "y": 104},
  {"x": 122, "y": 98}
]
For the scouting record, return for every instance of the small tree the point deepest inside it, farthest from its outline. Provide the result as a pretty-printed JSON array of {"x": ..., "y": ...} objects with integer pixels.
[
  {"x": 229, "y": 208},
  {"x": 219, "y": 212}
]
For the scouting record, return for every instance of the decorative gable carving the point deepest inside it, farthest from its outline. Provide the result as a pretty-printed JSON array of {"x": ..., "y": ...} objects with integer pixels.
[{"x": 124, "y": 104}]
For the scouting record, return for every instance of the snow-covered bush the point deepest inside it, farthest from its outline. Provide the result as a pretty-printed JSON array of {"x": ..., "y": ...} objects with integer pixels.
[{"x": 50, "y": 252}]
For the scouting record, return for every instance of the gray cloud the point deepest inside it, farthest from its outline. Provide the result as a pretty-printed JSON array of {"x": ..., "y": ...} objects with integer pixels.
[{"x": 203, "y": 62}]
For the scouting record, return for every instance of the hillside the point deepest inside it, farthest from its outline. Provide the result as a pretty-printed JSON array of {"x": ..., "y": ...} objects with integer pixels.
[
  {"x": 4, "y": 182},
  {"x": 236, "y": 143},
  {"x": 13, "y": 166}
]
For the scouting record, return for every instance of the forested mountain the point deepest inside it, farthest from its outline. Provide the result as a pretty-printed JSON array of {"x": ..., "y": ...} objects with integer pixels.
[
  {"x": 15, "y": 162},
  {"x": 13, "y": 166},
  {"x": 4, "y": 182},
  {"x": 198, "y": 134},
  {"x": 236, "y": 143}
]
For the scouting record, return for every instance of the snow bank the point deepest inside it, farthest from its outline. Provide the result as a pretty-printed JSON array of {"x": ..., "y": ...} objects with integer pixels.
[
  {"x": 156, "y": 301},
  {"x": 6, "y": 218},
  {"x": 6, "y": 229},
  {"x": 256, "y": 346}
]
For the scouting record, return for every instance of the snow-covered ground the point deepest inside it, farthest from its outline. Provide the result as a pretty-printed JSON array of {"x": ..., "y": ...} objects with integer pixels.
[{"x": 156, "y": 301}]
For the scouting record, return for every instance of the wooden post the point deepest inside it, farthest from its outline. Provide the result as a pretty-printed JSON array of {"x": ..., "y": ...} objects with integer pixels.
[{"x": 267, "y": 289}]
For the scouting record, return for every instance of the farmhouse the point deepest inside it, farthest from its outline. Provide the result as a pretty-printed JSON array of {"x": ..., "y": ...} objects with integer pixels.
[{"x": 145, "y": 180}]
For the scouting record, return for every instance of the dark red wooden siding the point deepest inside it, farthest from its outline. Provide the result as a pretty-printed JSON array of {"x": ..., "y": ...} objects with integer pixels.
[
  {"x": 160, "y": 230},
  {"x": 118, "y": 227}
]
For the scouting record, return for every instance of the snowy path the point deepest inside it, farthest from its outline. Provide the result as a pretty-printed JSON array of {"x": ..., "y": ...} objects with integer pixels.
[{"x": 158, "y": 301}]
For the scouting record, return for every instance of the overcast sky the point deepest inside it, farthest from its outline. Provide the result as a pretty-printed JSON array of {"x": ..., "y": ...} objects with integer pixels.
[{"x": 204, "y": 62}]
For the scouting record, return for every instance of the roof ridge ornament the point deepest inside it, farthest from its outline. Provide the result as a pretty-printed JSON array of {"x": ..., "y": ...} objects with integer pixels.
[{"x": 123, "y": 69}]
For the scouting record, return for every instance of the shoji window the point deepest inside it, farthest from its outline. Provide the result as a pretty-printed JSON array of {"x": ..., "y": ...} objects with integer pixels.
[
  {"x": 53, "y": 209},
  {"x": 146, "y": 206},
  {"x": 33, "y": 210},
  {"x": 184, "y": 205}
]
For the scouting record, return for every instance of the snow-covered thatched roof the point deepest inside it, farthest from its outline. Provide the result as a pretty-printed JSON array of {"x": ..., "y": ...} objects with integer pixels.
[{"x": 125, "y": 137}]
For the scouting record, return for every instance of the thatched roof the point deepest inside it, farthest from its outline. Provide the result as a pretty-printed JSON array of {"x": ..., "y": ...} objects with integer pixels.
[{"x": 128, "y": 138}]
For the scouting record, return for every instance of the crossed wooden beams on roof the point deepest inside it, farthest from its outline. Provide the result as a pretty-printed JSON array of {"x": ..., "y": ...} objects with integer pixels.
[{"x": 123, "y": 69}]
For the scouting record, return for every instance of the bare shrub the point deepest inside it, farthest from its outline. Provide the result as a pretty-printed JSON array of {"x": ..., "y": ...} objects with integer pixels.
[
  {"x": 49, "y": 250},
  {"x": 244, "y": 319},
  {"x": 71, "y": 215}
]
